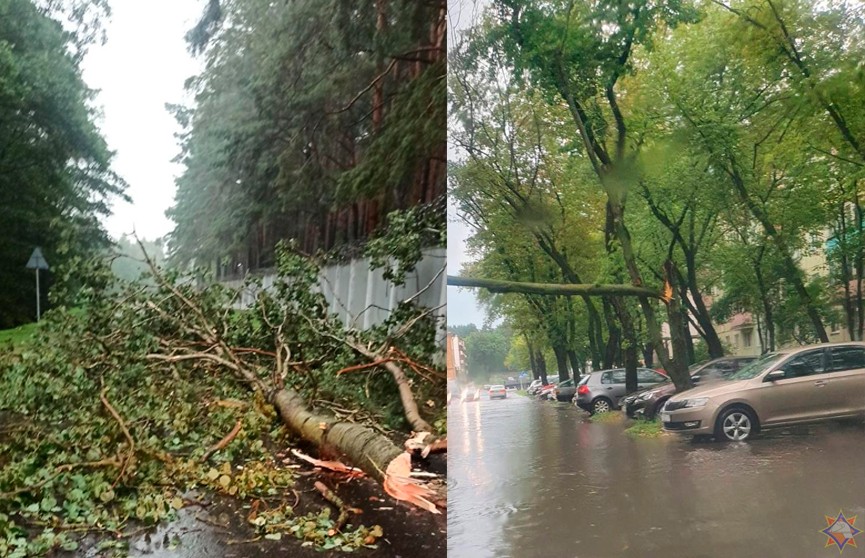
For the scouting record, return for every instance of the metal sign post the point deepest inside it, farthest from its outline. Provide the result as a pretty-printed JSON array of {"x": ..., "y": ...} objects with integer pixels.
[{"x": 37, "y": 262}]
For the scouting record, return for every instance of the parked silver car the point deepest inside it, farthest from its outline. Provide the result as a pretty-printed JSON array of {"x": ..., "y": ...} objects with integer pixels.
[{"x": 603, "y": 390}]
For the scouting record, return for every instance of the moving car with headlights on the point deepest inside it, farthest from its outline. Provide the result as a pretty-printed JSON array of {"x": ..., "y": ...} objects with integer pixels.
[
  {"x": 603, "y": 390},
  {"x": 498, "y": 392},
  {"x": 800, "y": 385},
  {"x": 647, "y": 401}
]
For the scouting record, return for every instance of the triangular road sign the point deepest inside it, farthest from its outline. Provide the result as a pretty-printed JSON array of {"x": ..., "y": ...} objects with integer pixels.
[{"x": 37, "y": 260}]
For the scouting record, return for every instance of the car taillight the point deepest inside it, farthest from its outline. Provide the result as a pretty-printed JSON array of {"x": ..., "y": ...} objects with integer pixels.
[{"x": 583, "y": 390}]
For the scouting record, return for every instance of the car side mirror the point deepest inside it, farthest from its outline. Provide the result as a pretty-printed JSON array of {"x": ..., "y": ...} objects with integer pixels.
[{"x": 774, "y": 375}]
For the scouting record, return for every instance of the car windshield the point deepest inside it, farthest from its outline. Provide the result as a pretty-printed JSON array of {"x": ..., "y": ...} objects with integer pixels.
[{"x": 757, "y": 367}]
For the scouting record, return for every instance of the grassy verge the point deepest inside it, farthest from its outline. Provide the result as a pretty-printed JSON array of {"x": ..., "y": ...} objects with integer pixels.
[
  {"x": 645, "y": 429},
  {"x": 613, "y": 417},
  {"x": 17, "y": 335},
  {"x": 522, "y": 392}
]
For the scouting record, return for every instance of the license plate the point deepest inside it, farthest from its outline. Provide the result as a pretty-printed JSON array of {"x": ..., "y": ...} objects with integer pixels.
[{"x": 665, "y": 417}]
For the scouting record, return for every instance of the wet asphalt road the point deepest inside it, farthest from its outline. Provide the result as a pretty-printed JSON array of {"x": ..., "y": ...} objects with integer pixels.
[{"x": 537, "y": 479}]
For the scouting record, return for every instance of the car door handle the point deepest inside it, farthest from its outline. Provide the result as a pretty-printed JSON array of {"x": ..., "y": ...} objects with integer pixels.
[
  {"x": 820, "y": 383},
  {"x": 611, "y": 387}
]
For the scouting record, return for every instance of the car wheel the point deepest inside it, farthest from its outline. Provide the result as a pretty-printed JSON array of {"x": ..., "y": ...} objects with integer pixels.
[
  {"x": 736, "y": 425},
  {"x": 601, "y": 405}
]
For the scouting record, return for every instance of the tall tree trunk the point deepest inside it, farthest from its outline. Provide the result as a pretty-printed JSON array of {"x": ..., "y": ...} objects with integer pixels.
[
  {"x": 562, "y": 362},
  {"x": 649, "y": 355},
  {"x": 760, "y": 334},
  {"x": 860, "y": 264},
  {"x": 846, "y": 276},
  {"x": 629, "y": 349},
  {"x": 793, "y": 273},
  {"x": 689, "y": 342},
  {"x": 688, "y": 284},
  {"x": 576, "y": 365},
  {"x": 614, "y": 337},
  {"x": 570, "y": 275},
  {"x": 533, "y": 361},
  {"x": 594, "y": 349},
  {"x": 676, "y": 366},
  {"x": 767, "y": 304},
  {"x": 542, "y": 366},
  {"x": 709, "y": 334}
]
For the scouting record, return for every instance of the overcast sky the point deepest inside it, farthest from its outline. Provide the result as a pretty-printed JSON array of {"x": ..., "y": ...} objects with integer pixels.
[
  {"x": 143, "y": 66},
  {"x": 462, "y": 303}
]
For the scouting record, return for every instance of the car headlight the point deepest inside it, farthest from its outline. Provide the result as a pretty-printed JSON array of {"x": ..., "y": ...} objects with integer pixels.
[
  {"x": 696, "y": 402},
  {"x": 647, "y": 395}
]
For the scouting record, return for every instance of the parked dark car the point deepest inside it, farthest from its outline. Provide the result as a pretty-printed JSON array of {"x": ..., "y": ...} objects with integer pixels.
[
  {"x": 648, "y": 401},
  {"x": 603, "y": 390},
  {"x": 565, "y": 391}
]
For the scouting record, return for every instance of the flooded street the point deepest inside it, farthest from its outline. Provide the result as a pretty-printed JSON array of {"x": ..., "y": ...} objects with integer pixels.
[{"x": 537, "y": 479}]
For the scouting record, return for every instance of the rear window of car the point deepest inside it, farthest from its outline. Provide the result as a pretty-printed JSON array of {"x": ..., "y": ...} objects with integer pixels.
[
  {"x": 584, "y": 380},
  {"x": 648, "y": 375},
  {"x": 497, "y": 388},
  {"x": 613, "y": 377},
  {"x": 847, "y": 358}
]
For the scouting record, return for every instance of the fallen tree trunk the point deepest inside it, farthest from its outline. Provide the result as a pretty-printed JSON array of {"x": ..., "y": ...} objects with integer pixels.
[
  {"x": 362, "y": 446},
  {"x": 557, "y": 289}
]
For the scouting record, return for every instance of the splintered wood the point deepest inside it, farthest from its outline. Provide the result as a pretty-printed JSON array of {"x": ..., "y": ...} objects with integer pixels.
[
  {"x": 337, "y": 466},
  {"x": 399, "y": 484}
]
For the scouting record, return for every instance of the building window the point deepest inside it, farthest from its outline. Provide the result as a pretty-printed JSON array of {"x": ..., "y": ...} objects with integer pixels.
[
  {"x": 746, "y": 338},
  {"x": 736, "y": 338}
]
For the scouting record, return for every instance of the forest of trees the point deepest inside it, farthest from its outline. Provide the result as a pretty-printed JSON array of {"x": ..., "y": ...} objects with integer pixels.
[
  {"x": 56, "y": 180},
  {"x": 317, "y": 131},
  {"x": 313, "y": 120},
  {"x": 705, "y": 148}
]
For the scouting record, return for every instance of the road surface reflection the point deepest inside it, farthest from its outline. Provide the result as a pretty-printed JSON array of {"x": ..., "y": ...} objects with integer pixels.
[{"x": 532, "y": 479}]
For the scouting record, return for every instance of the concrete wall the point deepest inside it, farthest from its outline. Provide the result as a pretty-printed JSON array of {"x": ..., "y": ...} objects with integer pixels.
[{"x": 362, "y": 299}]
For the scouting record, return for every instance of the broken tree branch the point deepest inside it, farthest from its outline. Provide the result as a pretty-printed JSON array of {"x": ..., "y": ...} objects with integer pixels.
[
  {"x": 223, "y": 442},
  {"x": 344, "y": 510},
  {"x": 130, "y": 454}
]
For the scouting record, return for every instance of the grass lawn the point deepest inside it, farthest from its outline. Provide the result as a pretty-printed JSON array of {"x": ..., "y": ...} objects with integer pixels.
[
  {"x": 612, "y": 417},
  {"x": 646, "y": 429},
  {"x": 18, "y": 334}
]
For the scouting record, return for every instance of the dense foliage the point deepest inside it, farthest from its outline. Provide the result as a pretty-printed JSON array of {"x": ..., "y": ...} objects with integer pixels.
[
  {"x": 712, "y": 147},
  {"x": 312, "y": 121},
  {"x": 106, "y": 419},
  {"x": 55, "y": 176}
]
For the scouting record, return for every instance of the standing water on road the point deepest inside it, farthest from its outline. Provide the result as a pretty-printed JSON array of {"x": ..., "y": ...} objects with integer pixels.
[{"x": 537, "y": 479}]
